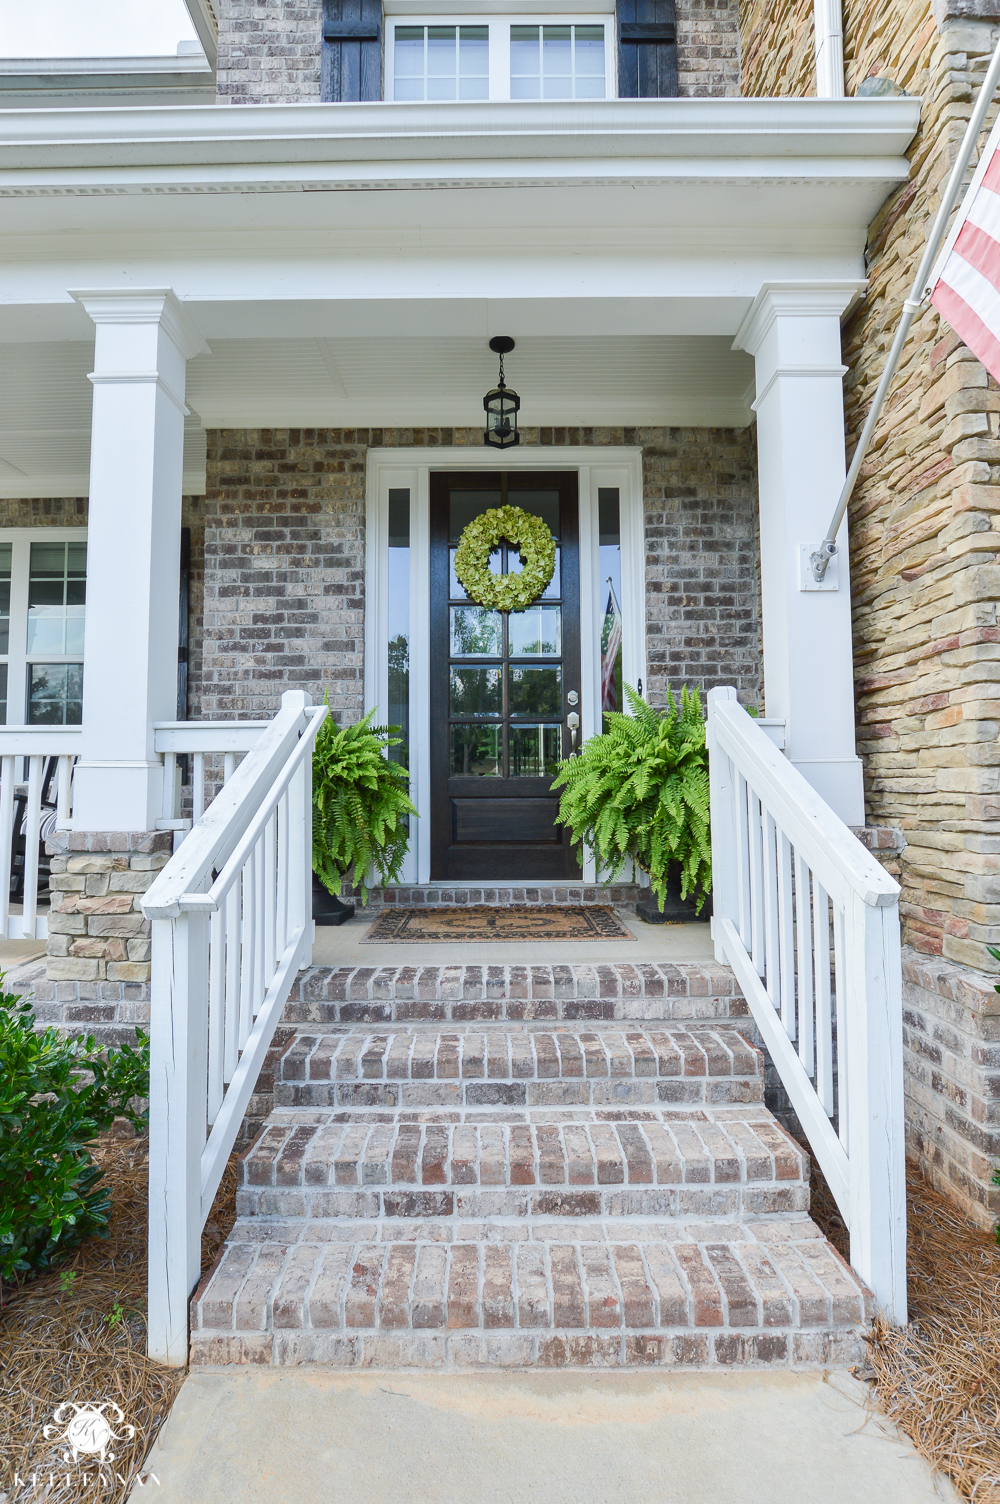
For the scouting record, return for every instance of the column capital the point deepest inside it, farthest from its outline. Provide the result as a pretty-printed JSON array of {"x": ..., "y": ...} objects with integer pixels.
[
  {"x": 797, "y": 300},
  {"x": 144, "y": 305}
]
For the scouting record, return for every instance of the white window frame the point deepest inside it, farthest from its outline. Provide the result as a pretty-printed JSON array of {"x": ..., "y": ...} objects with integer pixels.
[
  {"x": 499, "y": 29},
  {"x": 17, "y": 657},
  {"x": 389, "y": 468}
]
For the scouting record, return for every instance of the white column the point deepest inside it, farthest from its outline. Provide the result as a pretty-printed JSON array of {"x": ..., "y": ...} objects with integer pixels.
[
  {"x": 793, "y": 333},
  {"x": 144, "y": 340}
]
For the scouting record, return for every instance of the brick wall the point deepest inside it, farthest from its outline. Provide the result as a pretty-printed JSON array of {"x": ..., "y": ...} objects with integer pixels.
[
  {"x": 284, "y": 560},
  {"x": 270, "y": 50}
]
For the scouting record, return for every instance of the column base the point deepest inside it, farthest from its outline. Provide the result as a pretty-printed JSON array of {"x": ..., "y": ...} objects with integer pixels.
[{"x": 97, "y": 961}]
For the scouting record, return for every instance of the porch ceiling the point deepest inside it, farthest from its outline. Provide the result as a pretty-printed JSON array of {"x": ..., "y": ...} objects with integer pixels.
[{"x": 45, "y": 397}]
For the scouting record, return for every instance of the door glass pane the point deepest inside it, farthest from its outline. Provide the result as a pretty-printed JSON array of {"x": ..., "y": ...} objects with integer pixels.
[
  {"x": 534, "y": 751},
  {"x": 476, "y": 752},
  {"x": 609, "y": 525},
  {"x": 441, "y": 62},
  {"x": 536, "y": 632},
  {"x": 476, "y": 632},
  {"x": 475, "y": 691},
  {"x": 557, "y": 62},
  {"x": 465, "y": 507},
  {"x": 535, "y": 690},
  {"x": 5, "y": 553},
  {"x": 399, "y": 621},
  {"x": 57, "y": 584},
  {"x": 55, "y": 694}
]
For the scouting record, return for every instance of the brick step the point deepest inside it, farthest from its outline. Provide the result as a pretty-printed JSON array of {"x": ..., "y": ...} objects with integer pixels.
[
  {"x": 533, "y": 1065},
  {"x": 499, "y": 895},
  {"x": 666, "y": 1162},
  {"x": 470, "y": 993},
  {"x": 540, "y": 1294}
]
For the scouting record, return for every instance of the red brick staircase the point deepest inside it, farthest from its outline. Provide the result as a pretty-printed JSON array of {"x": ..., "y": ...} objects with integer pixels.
[{"x": 436, "y": 1188}]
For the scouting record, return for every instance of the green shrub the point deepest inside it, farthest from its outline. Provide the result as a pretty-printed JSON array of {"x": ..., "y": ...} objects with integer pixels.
[
  {"x": 56, "y": 1096},
  {"x": 639, "y": 792},
  {"x": 360, "y": 804}
]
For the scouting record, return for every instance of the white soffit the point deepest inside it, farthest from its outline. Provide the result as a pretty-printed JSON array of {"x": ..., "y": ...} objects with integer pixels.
[{"x": 45, "y": 397}]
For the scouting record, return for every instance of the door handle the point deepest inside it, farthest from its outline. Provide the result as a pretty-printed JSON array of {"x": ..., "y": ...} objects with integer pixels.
[{"x": 573, "y": 722}]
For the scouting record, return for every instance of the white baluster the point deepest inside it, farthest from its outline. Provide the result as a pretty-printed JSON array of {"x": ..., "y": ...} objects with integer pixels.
[
  {"x": 757, "y": 948},
  {"x": 64, "y": 794},
  {"x": 233, "y": 972},
  {"x": 771, "y": 910},
  {"x": 840, "y": 1005},
  {"x": 824, "y": 1012},
  {"x": 198, "y": 788},
  {"x": 6, "y": 840},
  {"x": 216, "y": 1013},
  {"x": 804, "y": 940},
  {"x": 170, "y": 810},
  {"x": 31, "y": 836},
  {"x": 786, "y": 934}
]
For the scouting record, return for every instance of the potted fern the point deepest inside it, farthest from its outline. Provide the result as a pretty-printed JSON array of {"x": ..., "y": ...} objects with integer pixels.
[
  {"x": 639, "y": 793},
  {"x": 361, "y": 803}
]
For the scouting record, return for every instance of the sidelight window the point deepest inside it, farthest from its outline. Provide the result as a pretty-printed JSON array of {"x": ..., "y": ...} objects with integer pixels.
[{"x": 43, "y": 582}]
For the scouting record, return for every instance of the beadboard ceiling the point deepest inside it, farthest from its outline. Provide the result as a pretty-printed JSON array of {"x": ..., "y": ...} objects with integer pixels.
[{"x": 45, "y": 397}]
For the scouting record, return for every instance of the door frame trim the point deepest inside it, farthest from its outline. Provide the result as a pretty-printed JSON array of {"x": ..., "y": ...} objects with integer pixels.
[{"x": 597, "y": 466}]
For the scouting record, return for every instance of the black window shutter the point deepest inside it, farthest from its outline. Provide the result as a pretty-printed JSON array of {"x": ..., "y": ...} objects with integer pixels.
[
  {"x": 647, "y": 49},
  {"x": 352, "y": 50}
]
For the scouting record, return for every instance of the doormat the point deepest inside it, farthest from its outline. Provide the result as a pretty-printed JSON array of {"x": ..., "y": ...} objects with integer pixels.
[{"x": 500, "y": 925}]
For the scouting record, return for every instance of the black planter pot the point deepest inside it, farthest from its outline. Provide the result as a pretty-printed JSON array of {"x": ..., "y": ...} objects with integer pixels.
[
  {"x": 327, "y": 907},
  {"x": 675, "y": 910}
]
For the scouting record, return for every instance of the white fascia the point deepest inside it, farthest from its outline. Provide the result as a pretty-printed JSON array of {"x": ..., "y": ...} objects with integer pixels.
[{"x": 202, "y": 147}]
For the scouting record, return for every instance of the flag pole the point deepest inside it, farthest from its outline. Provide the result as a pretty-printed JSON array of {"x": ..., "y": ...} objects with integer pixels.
[{"x": 822, "y": 555}]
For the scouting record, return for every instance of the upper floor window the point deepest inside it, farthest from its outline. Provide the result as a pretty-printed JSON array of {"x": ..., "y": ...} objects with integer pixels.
[
  {"x": 557, "y": 62},
  {"x": 499, "y": 57}
]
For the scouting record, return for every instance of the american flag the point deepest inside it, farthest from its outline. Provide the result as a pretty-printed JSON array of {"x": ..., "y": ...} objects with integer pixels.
[
  {"x": 612, "y": 636},
  {"x": 966, "y": 279}
]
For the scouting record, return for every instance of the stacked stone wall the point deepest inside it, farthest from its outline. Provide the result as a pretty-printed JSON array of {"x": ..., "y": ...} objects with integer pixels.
[
  {"x": 925, "y": 579},
  {"x": 98, "y": 950},
  {"x": 284, "y": 560},
  {"x": 270, "y": 51}
]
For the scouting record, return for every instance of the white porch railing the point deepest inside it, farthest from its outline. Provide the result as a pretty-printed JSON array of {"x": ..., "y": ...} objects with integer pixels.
[
  {"x": 232, "y": 924},
  {"x": 198, "y": 740},
  {"x": 30, "y": 808},
  {"x": 809, "y": 922}
]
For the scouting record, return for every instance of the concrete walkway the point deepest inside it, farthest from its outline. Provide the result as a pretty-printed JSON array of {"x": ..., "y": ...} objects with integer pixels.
[{"x": 301, "y": 1436}]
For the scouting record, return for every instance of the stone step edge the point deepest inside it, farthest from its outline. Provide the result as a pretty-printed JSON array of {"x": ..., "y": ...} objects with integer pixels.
[
  {"x": 377, "y": 1349},
  {"x": 495, "y": 895},
  {"x": 598, "y": 981}
]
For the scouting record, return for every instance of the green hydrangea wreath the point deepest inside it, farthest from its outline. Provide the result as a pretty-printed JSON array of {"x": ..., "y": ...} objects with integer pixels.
[{"x": 532, "y": 539}]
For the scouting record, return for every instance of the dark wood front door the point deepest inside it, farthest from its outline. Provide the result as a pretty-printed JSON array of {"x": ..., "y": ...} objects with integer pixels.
[{"x": 502, "y": 686}]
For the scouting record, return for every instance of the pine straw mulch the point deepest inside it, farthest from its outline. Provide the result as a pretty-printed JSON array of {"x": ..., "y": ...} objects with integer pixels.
[
  {"x": 79, "y": 1334},
  {"x": 938, "y": 1379}
]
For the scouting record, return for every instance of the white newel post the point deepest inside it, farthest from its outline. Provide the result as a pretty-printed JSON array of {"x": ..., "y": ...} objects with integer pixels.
[
  {"x": 144, "y": 341},
  {"x": 722, "y": 805},
  {"x": 793, "y": 333}
]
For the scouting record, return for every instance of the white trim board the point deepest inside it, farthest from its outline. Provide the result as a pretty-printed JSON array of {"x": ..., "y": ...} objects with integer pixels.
[{"x": 619, "y": 466}]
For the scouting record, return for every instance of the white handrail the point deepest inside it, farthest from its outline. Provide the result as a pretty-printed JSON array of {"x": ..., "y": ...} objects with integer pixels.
[
  {"x": 232, "y": 924},
  {"x": 809, "y": 923}
]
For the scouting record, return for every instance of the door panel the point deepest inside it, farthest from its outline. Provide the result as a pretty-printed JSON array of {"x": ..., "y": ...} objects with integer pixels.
[{"x": 499, "y": 687}]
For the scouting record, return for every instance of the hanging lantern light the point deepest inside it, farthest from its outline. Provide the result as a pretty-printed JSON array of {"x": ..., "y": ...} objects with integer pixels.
[{"x": 501, "y": 404}]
